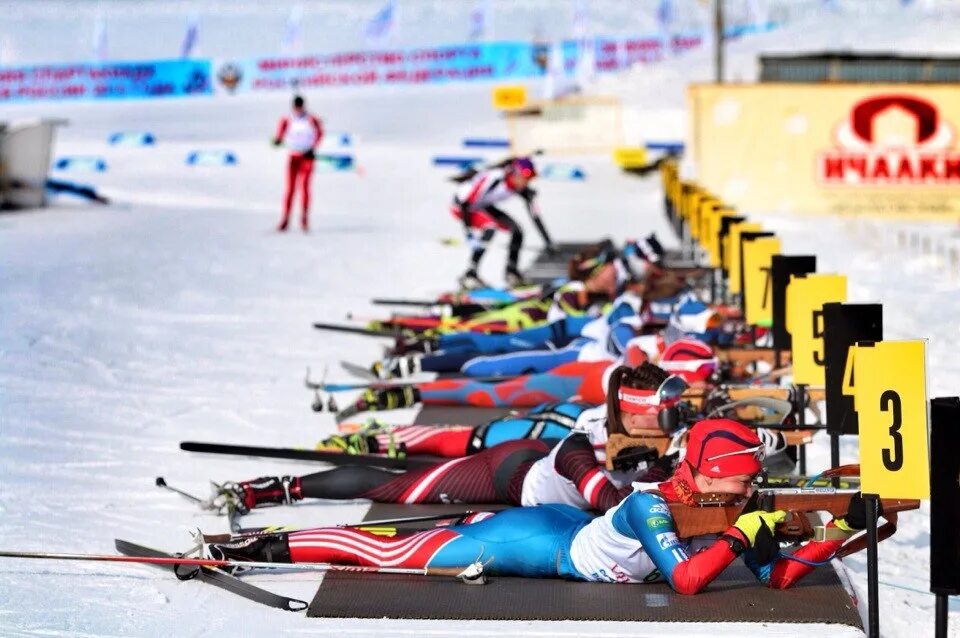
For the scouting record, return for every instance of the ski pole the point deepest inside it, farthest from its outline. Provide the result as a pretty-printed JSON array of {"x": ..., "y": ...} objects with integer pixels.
[
  {"x": 471, "y": 574},
  {"x": 163, "y": 483},
  {"x": 223, "y": 538}
]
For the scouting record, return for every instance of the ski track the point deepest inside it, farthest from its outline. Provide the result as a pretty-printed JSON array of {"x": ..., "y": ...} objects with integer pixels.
[{"x": 179, "y": 314}]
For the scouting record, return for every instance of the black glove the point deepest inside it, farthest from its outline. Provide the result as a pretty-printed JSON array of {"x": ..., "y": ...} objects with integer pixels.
[
  {"x": 757, "y": 527},
  {"x": 309, "y": 154},
  {"x": 856, "y": 518}
]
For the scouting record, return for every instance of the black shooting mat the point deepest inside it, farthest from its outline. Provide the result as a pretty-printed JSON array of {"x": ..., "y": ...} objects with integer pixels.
[
  {"x": 735, "y": 596},
  {"x": 548, "y": 266},
  {"x": 460, "y": 415}
]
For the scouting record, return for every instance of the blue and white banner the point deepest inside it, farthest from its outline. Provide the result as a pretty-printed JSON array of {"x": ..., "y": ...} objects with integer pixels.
[
  {"x": 477, "y": 61},
  {"x": 109, "y": 80}
]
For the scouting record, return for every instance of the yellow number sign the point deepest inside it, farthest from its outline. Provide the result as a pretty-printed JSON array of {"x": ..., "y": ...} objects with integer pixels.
[
  {"x": 709, "y": 229},
  {"x": 757, "y": 282},
  {"x": 890, "y": 396},
  {"x": 630, "y": 156},
  {"x": 731, "y": 252},
  {"x": 806, "y": 295},
  {"x": 507, "y": 97}
]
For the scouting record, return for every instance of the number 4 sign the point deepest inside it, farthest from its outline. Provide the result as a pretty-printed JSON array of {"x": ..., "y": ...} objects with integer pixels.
[{"x": 890, "y": 397}]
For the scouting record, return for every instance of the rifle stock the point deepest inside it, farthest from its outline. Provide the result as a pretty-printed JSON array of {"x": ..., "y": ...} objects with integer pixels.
[{"x": 715, "y": 512}]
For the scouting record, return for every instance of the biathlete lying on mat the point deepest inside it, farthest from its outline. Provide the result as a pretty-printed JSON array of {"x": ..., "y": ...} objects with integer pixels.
[
  {"x": 548, "y": 422},
  {"x": 573, "y": 471},
  {"x": 572, "y": 381},
  {"x": 634, "y": 542}
]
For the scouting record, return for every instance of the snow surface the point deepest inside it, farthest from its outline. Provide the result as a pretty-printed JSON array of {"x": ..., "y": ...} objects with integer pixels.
[{"x": 179, "y": 314}]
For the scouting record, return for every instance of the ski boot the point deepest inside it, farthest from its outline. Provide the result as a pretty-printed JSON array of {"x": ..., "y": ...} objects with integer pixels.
[
  {"x": 396, "y": 367},
  {"x": 513, "y": 278},
  {"x": 375, "y": 437},
  {"x": 470, "y": 280},
  {"x": 246, "y": 495},
  {"x": 267, "y": 548},
  {"x": 382, "y": 399},
  {"x": 353, "y": 444},
  {"x": 420, "y": 343}
]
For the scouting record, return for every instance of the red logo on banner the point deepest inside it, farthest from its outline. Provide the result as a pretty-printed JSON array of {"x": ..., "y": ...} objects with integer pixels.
[{"x": 892, "y": 140}]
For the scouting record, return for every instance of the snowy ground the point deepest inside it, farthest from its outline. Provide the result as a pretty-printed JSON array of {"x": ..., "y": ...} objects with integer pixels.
[{"x": 179, "y": 314}]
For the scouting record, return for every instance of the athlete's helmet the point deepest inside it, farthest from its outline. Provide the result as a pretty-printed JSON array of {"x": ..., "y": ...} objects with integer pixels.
[
  {"x": 691, "y": 359},
  {"x": 723, "y": 447},
  {"x": 522, "y": 166}
]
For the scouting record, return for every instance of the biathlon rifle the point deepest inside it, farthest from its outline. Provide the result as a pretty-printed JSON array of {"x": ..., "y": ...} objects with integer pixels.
[{"x": 715, "y": 513}]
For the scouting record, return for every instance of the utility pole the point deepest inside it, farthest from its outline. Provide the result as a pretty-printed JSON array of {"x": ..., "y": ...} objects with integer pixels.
[{"x": 718, "y": 39}]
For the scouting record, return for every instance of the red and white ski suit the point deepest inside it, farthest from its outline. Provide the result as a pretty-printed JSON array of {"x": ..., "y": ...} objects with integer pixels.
[{"x": 301, "y": 132}]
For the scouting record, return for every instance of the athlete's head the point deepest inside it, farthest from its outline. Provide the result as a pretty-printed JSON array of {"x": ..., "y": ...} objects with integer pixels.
[
  {"x": 520, "y": 171},
  {"x": 722, "y": 456},
  {"x": 596, "y": 268},
  {"x": 691, "y": 359},
  {"x": 637, "y": 396},
  {"x": 298, "y": 103}
]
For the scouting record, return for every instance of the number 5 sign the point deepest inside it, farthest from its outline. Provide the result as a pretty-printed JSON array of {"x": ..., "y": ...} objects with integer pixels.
[
  {"x": 890, "y": 396},
  {"x": 806, "y": 295}
]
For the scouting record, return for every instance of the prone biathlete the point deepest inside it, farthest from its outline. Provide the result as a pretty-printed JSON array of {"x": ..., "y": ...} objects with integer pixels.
[
  {"x": 524, "y": 352},
  {"x": 549, "y": 422},
  {"x": 517, "y": 472},
  {"x": 634, "y": 542},
  {"x": 584, "y": 380}
]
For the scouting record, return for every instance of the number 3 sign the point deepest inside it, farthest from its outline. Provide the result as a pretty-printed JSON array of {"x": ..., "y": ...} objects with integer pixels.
[{"x": 890, "y": 397}]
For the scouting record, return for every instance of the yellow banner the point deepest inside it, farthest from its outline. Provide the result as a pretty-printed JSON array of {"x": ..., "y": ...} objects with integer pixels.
[
  {"x": 890, "y": 396},
  {"x": 804, "y": 318},
  {"x": 884, "y": 149},
  {"x": 731, "y": 252},
  {"x": 757, "y": 282}
]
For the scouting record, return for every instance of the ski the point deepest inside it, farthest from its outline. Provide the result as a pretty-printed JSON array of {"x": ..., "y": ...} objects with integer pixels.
[
  {"x": 358, "y": 370},
  {"x": 454, "y": 308},
  {"x": 383, "y": 384},
  {"x": 337, "y": 327},
  {"x": 217, "y": 578},
  {"x": 323, "y": 456}
]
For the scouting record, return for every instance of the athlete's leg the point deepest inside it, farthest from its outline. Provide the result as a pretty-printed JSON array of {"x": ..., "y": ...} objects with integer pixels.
[
  {"x": 521, "y": 541},
  {"x": 522, "y": 362},
  {"x": 478, "y": 252},
  {"x": 516, "y": 234},
  {"x": 450, "y": 441},
  {"x": 444, "y": 361},
  {"x": 347, "y": 546},
  {"x": 525, "y": 391},
  {"x": 293, "y": 167},
  {"x": 304, "y": 174},
  {"x": 347, "y": 482}
]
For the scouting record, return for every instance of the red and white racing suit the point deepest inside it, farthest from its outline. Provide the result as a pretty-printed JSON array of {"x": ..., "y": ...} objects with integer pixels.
[{"x": 301, "y": 133}]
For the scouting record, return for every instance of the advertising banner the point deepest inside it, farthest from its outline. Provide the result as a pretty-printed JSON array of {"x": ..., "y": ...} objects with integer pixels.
[
  {"x": 889, "y": 150},
  {"x": 106, "y": 80}
]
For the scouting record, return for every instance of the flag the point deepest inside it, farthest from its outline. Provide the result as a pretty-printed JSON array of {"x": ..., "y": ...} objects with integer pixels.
[
  {"x": 586, "y": 71},
  {"x": 381, "y": 25},
  {"x": 190, "y": 36},
  {"x": 581, "y": 19},
  {"x": 292, "y": 35},
  {"x": 665, "y": 15},
  {"x": 479, "y": 18},
  {"x": 99, "y": 41}
]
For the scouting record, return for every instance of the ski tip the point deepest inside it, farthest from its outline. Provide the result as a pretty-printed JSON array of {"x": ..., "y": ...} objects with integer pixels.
[{"x": 161, "y": 482}]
